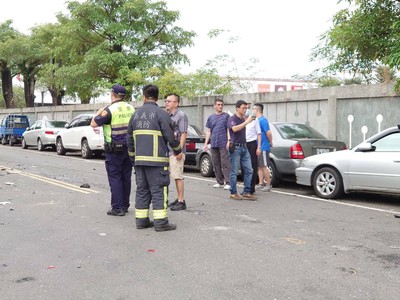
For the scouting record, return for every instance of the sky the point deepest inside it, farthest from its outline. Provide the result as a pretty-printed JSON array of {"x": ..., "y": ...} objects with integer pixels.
[{"x": 279, "y": 34}]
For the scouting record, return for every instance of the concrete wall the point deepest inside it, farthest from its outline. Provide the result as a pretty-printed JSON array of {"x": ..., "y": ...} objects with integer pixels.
[{"x": 325, "y": 109}]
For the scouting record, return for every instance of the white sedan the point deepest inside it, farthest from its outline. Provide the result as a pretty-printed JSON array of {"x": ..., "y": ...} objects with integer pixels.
[{"x": 372, "y": 166}]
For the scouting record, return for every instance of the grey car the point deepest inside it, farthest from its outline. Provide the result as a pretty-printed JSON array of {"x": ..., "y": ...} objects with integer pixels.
[
  {"x": 292, "y": 142},
  {"x": 372, "y": 166},
  {"x": 42, "y": 134}
]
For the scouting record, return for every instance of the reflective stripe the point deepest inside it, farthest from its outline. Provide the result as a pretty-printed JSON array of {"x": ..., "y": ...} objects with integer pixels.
[
  {"x": 165, "y": 190},
  {"x": 159, "y": 214},
  {"x": 131, "y": 153},
  {"x": 147, "y": 132},
  {"x": 119, "y": 132},
  {"x": 151, "y": 158},
  {"x": 141, "y": 213}
]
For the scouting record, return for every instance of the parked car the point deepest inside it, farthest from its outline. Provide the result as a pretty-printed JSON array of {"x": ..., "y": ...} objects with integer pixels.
[
  {"x": 194, "y": 141},
  {"x": 372, "y": 166},
  {"x": 42, "y": 134},
  {"x": 292, "y": 142},
  {"x": 12, "y": 127},
  {"x": 78, "y": 135}
]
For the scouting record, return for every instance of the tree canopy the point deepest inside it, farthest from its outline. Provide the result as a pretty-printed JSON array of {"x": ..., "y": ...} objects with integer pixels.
[{"x": 364, "y": 36}]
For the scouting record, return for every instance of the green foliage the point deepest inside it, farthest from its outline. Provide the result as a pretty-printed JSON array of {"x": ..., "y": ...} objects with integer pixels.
[
  {"x": 19, "y": 100},
  {"x": 326, "y": 81},
  {"x": 362, "y": 38}
]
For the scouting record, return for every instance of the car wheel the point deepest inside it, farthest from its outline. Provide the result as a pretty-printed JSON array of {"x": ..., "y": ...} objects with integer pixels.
[
  {"x": 328, "y": 183},
  {"x": 85, "y": 150},
  {"x": 24, "y": 145},
  {"x": 60, "y": 147},
  {"x": 3, "y": 141},
  {"x": 11, "y": 141},
  {"x": 206, "y": 166},
  {"x": 40, "y": 145},
  {"x": 275, "y": 181}
]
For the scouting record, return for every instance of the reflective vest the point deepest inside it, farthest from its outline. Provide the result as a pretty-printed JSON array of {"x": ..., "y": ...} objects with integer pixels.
[{"x": 121, "y": 113}]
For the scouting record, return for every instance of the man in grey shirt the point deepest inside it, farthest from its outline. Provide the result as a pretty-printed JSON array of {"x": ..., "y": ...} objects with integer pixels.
[{"x": 180, "y": 121}]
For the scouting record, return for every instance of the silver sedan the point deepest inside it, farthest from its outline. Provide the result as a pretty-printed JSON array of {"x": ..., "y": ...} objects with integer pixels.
[
  {"x": 372, "y": 166},
  {"x": 42, "y": 134}
]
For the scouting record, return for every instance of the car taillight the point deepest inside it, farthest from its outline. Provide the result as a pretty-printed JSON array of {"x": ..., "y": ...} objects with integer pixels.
[
  {"x": 190, "y": 146},
  {"x": 296, "y": 152},
  {"x": 49, "y": 132},
  {"x": 96, "y": 130}
]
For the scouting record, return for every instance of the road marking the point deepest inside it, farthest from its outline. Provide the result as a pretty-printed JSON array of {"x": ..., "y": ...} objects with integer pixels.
[
  {"x": 51, "y": 181},
  {"x": 313, "y": 198}
]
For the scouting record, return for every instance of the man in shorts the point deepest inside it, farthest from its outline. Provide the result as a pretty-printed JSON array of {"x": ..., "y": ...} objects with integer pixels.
[
  {"x": 180, "y": 123},
  {"x": 266, "y": 144}
]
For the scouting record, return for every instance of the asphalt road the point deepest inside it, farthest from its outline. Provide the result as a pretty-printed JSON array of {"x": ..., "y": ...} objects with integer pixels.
[{"x": 56, "y": 241}]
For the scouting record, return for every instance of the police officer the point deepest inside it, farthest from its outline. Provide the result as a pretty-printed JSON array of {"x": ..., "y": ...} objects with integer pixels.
[
  {"x": 149, "y": 131},
  {"x": 114, "y": 119}
]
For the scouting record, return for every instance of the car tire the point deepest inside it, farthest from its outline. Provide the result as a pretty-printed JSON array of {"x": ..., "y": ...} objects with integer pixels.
[
  {"x": 85, "y": 150},
  {"x": 328, "y": 183},
  {"x": 206, "y": 166},
  {"x": 275, "y": 181},
  {"x": 40, "y": 145},
  {"x": 23, "y": 144},
  {"x": 60, "y": 147},
  {"x": 11, "y": 141},
  {"x": 3, "y": 141}
]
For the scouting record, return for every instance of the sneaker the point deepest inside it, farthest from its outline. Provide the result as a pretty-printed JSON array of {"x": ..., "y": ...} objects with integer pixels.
[
  {"x": 148, "y": 225},
  {"x": 235, "y": 197},
  {"x": 116, "y": 212},
  {"x": 173, "y": 203},
  {"x": 227, "y": 187},
  {"x": 178, "y": 206},
  {"x": 259, "y": 187},
  {"x": 218, "y": 185},
  {"x": 167, "y": 227},
  {"x": 249, "y": 197},
  {"x": 266, "y": 188}
]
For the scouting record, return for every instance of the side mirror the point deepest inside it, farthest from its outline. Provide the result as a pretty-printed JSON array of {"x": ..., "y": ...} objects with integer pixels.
[
  {"x": 364, "y": 147},
  {"x": 66, "y": 125}
]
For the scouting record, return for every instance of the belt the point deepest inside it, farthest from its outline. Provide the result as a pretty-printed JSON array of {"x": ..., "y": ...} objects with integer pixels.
[{"x": 240, "y": 144}]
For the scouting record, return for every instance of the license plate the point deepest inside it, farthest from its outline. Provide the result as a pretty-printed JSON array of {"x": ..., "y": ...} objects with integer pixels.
[
  {"x": 322, "y": 150},
  {"x": 199, "y": 145}
]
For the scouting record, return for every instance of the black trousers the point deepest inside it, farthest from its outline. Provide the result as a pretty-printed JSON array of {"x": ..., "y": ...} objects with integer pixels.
[{"x": 252, "y": 148}]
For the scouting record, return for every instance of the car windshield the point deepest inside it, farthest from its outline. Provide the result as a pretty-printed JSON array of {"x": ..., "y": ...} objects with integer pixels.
[
  {"x": 55, "y": 124},
  {"x": 194, "y": 130},
  {"x": 298, "y": 131}
]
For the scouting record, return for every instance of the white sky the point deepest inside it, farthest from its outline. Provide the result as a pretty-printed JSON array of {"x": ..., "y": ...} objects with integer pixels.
[{"x": 279, "y": 33}]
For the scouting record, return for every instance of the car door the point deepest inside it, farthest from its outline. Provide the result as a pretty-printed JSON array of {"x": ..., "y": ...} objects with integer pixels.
[
  {"x": 378, "y": 169},
  {"x": 29, "y": 135},
  {"x": 69, "y": 136}
]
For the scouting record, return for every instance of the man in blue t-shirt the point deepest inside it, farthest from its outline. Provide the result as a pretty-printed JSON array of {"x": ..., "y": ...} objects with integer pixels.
[
  {"x": 266, "y": 144},
  {"x": 217, "y": 130}
]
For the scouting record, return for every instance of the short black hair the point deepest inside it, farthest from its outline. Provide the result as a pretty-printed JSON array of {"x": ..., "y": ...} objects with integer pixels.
[
  {"x": 218, "y": 100},
  {"x": 260, "y": 107},
  {"x": 150, "y": 91},
  {"x": 239, "y": 103},
  {"x": 178, "y": 98}
]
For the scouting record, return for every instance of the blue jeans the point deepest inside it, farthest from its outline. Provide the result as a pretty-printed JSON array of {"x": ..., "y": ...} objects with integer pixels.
[{"x": 240, "y": 156}]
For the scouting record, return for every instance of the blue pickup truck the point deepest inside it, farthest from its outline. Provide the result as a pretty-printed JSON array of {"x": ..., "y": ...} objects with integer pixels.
[{"x": 12, "y": 127}]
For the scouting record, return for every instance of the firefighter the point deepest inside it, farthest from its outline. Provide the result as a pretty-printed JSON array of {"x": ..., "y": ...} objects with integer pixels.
[
  {"x": 114, "y": 119},
  {"x": 149, "y": 131}
]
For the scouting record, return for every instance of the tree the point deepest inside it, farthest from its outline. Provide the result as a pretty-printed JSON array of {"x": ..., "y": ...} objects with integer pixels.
[
  {"x": 362, "y": 38},
  {"x": 7, "y": 33},
  {"x": 112, "y": 41}
]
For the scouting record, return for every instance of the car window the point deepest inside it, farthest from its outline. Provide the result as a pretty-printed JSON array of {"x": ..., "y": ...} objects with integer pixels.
[
  {"x": 297, "y": 131},
  {"x": 38, "y": 125},
  {"x": 74, "y": 122},
  {"x": 388, "y": 143},
  {"x": 54, "y": 124},
  {"x": 193, "y": 130},
  {"x": 85, "y": 121}
]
